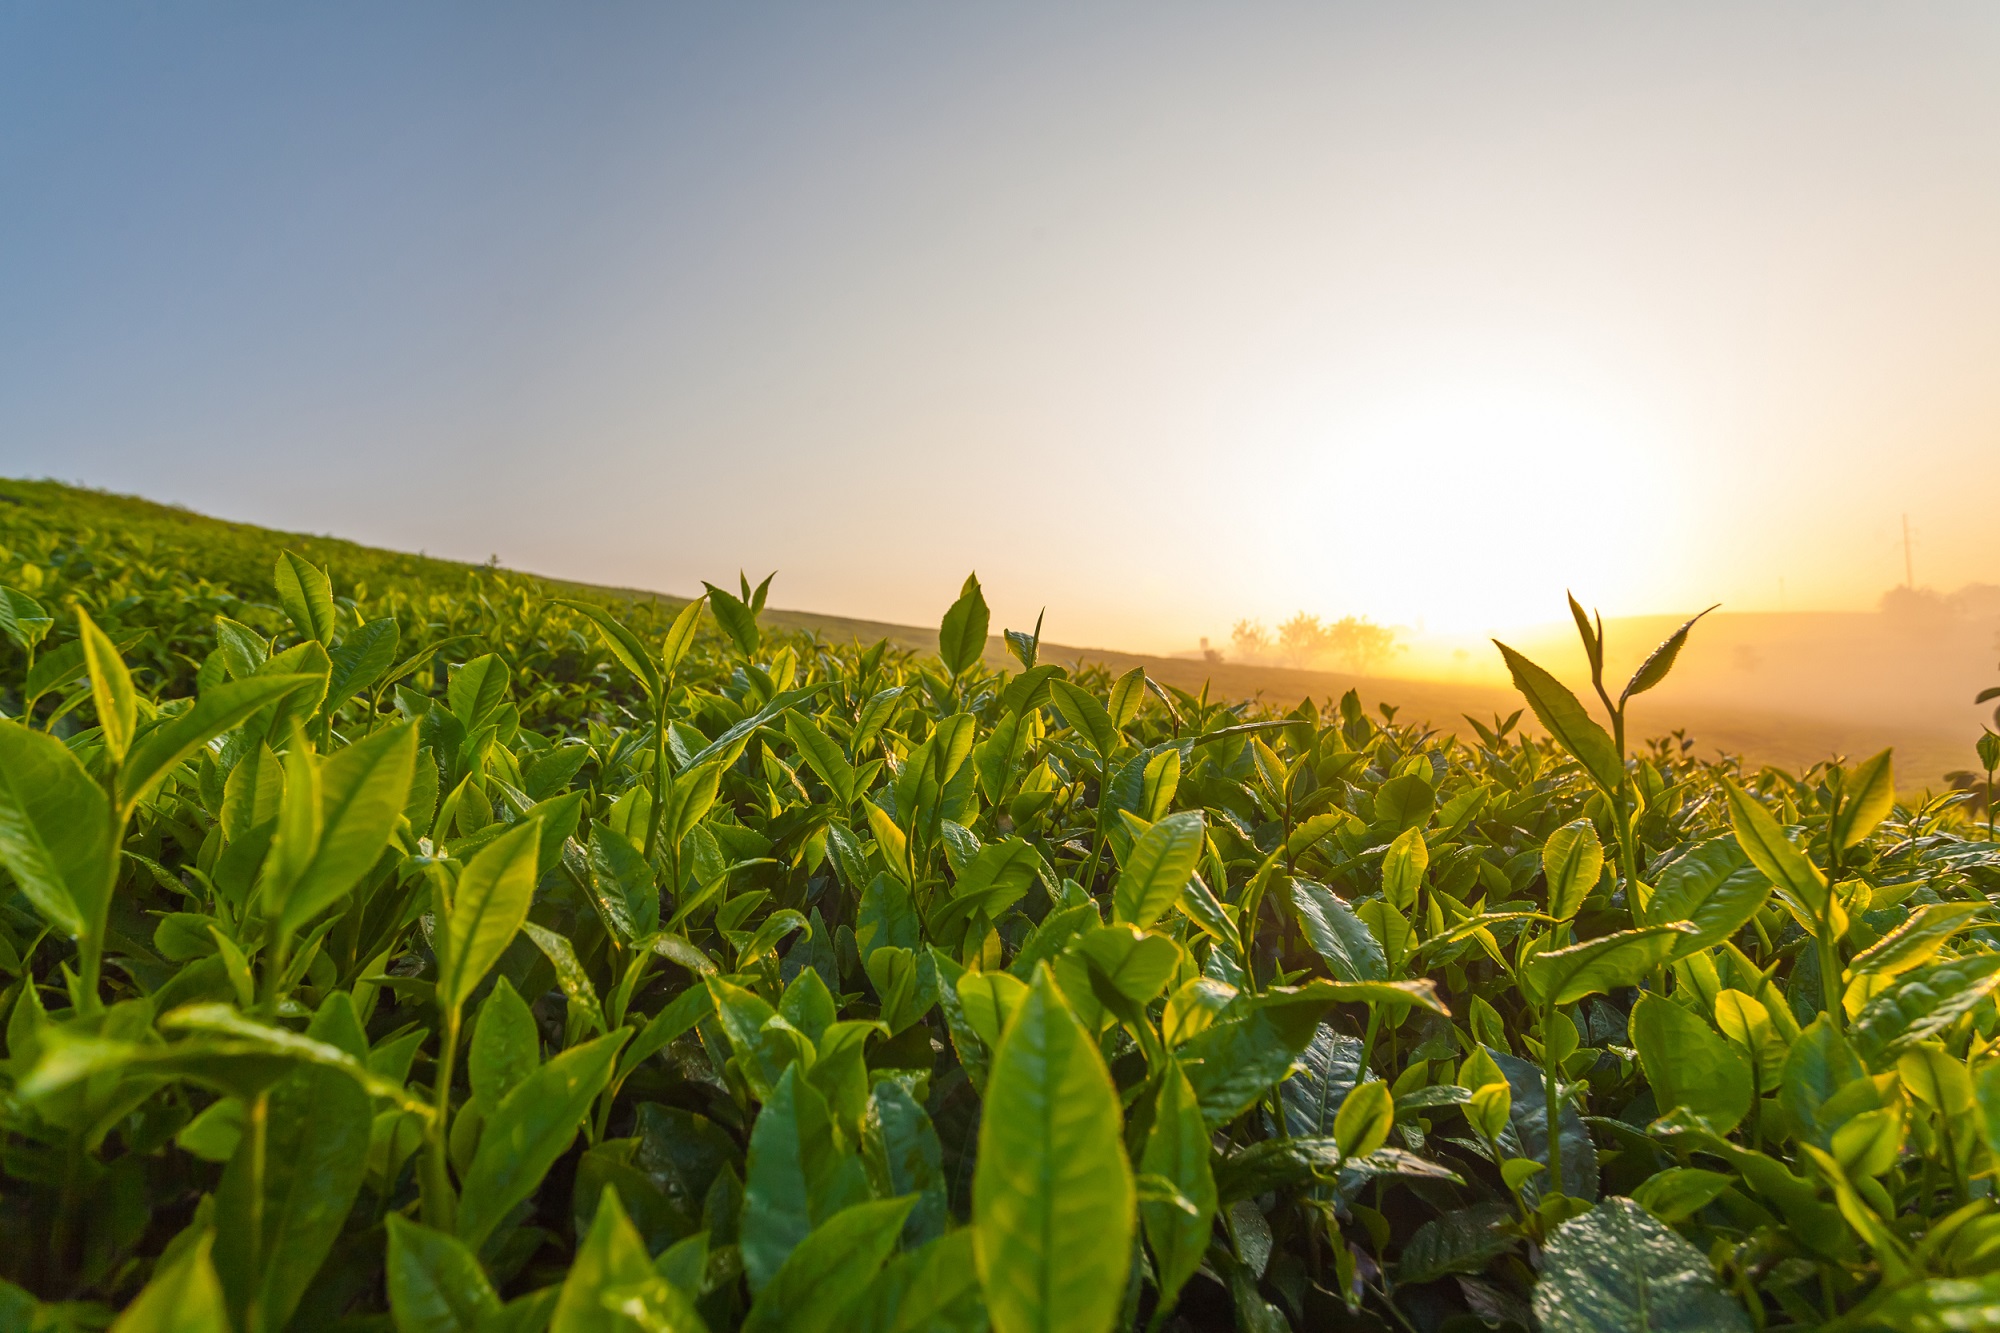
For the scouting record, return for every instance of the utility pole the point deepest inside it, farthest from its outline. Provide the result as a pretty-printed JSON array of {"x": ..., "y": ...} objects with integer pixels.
[{"x": 1909, "y": 567}]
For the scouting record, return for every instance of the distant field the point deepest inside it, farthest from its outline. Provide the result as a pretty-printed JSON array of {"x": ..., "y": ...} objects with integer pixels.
[
  {"x": 1783, "y": 690},
  {"x": 1782, "y": 721}
]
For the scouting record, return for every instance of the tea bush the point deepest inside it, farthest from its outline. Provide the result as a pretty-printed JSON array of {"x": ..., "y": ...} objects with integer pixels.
[{"x": 396, "y": 945}]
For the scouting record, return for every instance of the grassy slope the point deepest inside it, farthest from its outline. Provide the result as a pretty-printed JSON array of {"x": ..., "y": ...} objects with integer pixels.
[{"x": 241, "y": 554}]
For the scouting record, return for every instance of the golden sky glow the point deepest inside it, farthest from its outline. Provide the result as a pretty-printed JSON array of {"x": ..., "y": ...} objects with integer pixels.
[{"x": 1159, "y": 316}]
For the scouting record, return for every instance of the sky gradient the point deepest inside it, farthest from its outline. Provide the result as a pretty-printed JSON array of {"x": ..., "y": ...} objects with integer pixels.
[{"x": 1157, "y": 315}]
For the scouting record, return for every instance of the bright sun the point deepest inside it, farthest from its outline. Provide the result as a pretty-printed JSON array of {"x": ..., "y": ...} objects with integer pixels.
[{"x": 1476, "y": 505}]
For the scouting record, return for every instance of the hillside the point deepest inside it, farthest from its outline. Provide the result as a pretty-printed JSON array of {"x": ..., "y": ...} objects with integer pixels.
[{"x": 1783, "y": 690}]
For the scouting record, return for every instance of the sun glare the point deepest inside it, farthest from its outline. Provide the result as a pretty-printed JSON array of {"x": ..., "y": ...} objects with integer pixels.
[{"x": 1474, "y": 506}]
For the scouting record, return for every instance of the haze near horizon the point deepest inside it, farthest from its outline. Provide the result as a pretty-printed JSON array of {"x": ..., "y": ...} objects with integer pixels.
[{"x": 1160, "y": 317}]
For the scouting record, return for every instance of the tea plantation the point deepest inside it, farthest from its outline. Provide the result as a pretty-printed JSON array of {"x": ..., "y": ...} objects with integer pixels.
[{"x": 391, "y": 944}]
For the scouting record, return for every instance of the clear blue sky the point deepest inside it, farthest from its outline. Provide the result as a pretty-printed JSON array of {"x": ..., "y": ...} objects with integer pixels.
[{"x": 1157, "y": 314}]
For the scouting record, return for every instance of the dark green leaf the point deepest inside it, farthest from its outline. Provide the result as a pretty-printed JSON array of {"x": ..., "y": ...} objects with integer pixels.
[
  {"x": 528, "y": 1130},
  {"x": 1616, "y": 1269},
  {"x": 1177, "y": 1151},
  {"x": 1564, "y": 976},
  {"x": 287, "y": 1191},
  {"x": 829, "y": 1270},
  {"x": 435, "y": 1284},
  {"x": 1336, "y": 934},
  {"x": 905, "y": 1159}
]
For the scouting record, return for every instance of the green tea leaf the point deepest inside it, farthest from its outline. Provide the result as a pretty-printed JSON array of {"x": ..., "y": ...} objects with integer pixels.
[
  {"x": 506, "y": 1046},
  {"x": 611, "y": 1261},
  {"x": 1764, "y": 842},
  {"x": 1177, "y": 1151},
  {"x": 680, "y": 634},
  {"x": 362, "y": 790},
  {"x": 1558, "y": 711},
  {"x": 737, "y": 618},
  {"x": 183, "y": 1297},
  {"x": 1364, "y": 1120},
  {"x": 1689, "y": 1065},
  {"x": 931, "y": 1289},
  {"x": 1238, "y": 1060},
  {"x": 1917, "y": 940},
  {"x": 1563, "y": 976},
  {"x": 362, "y": 658},
  {"x": 1404, "y": 803},
  {"x": 1617, "y": 1269},
  {"x": 624, "y": 646},
  {"x": 1680, "y": 1192},
  {"x": 1572, "y": 860},
  {"x": 306, "y": 594},
  {"x": 1657, "y": 664},
  {"x": 1866, "y": 800},
  {"x": 1527, "y": 1132},
  {"x": 110, "y": 687},
  {"x": 824, "y": 756},
  {"x": 160, "y": 749},
  {"x": 286, "y": 1193},
  {"x": 1463, "y": 1240},
  {"x": 1935, "y": 1305},
  {"x": 478, "y": 689},
  {"x": 1336, "y": 934},
  {"x": 1403, "y": 868},
  {"x": 797, "y": 1176},
  {"x": 829, "y": 1269},
  {"x": 1819, "y": 1065},
  {"x": 1052, "y": 1194},
  {"x": 494, "y": 893},
  {"x": 1420, "y": 991},
  {"x": 531, "y": 1127},
  {"x": 1086, "y": 716},
  {"x": 22, "y": 618},
  {"x": 435, "y": 1283},
  {"x": 1156, "y": 869},
  {"x": 997, "y": 877},
  {"x": 1328, "y": 1069},
  {"x": 54, "y": 829},
  {"x": 905, "y": 1159},
  {"x": 1128, "y": 692},
  {"x": 1712, "y": 886},
  {"x": 1921, "y": 1003},
  {"x": 962, "y": 636}
]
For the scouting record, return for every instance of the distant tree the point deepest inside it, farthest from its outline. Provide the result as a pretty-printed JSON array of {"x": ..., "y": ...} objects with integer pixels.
[
  {"x": 1250, "y": 640},
  {"x": 1359, "y": 643},
  {"x": 1302, "y": 639}
]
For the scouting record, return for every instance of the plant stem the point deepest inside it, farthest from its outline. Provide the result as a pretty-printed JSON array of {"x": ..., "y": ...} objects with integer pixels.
[
  {"x": 1549, "y": 1093},
  {"x": 1829, "y": 948},
  {"x": 258, "y": 1127},
  {"x": 438, "y": 1204},
  {"x": 90, "y": 940},
  {"x": 659, "y": 777},
  {"x": 1829, "y": 972}
]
